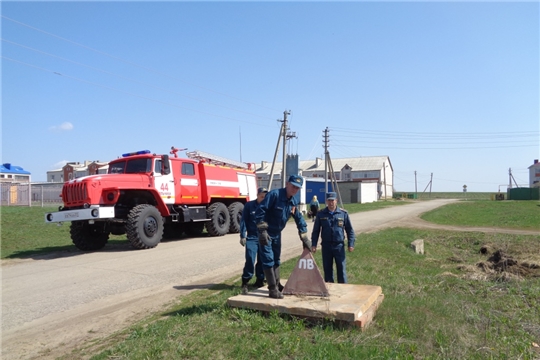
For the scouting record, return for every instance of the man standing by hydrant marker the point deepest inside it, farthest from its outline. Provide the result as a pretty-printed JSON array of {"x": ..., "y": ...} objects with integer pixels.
[
  {"x": 251, "y": 242},
  {"x": 271, "y": 217},
  {"x": 332, "y": 223}
]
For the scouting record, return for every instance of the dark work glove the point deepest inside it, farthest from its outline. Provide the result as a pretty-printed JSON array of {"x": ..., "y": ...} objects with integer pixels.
[
  {"x": 306, "y": 243},
  {"x": 243, "y": 241},
  {"x": 264, "y": 238}
]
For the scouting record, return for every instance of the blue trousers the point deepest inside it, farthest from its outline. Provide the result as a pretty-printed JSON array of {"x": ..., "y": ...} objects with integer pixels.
[
  {"x": 270, "y": 254},
  {"x": 331, "y": 252},
  {"x": 252, "y": 248}
]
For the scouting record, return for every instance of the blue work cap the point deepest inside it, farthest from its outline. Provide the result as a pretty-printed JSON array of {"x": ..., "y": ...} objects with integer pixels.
[
  {"x": 331, "y": 196},
  {"x": 262, "y": 190},
  {"x": 296, "y": 180}
]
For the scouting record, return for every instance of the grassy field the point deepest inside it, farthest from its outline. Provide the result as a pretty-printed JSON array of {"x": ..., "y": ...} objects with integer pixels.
[
  {"x": 24, "y": 232},
  {"x": 449, "y": 195},
  {"x": 454, "y": 302},
  {"x": 506, "y": 214},
  {"x": 437, "y": 306}
]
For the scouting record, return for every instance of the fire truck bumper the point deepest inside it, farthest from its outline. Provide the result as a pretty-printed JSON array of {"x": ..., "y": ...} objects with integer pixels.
[{"x": 92, "y": 213}]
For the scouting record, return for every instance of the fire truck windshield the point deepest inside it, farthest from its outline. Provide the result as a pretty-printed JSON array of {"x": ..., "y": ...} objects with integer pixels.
[{"x": 134, "y": 166}]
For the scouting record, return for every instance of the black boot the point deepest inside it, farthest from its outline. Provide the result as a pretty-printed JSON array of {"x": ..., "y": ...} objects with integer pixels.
[
  {"x": 276, "y": 271},
  {"x": 245, "y": 289},
  {"x": 273, "y": 292},
  {"x": 259, "y": 283}
]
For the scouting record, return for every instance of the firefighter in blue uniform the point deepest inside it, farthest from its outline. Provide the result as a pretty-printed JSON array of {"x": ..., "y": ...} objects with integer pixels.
[
  {"x": 332, "y": 223},
  {"x": 251, "y": 242},
  {"x": 271, "y": 217}
]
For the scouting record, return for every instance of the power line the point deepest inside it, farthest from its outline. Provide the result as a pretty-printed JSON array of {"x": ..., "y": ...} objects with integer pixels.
[
  {"x": 133, "y": 64},
  {"x": 129, "y": 93},
  {"x": 446, "y": 134},
  {"x": 132, "y": 80}
]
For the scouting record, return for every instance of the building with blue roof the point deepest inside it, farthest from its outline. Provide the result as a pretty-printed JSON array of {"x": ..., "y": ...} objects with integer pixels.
[{"x": 13, "y": 173}]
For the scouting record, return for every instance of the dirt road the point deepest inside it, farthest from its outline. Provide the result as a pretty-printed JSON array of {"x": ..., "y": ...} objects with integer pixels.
[{"x": 51, "y": 304}]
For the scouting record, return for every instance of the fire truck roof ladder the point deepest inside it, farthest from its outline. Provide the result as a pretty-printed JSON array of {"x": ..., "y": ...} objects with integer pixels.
[{"x": 214, "y": 159}]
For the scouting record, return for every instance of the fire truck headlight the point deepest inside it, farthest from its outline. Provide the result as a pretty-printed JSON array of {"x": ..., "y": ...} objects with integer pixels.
[
  {"x": 49, "y": 217},
  {"x": 86, "y": 205},
  {"x": 95, "y": 213},
  {"x": 110, "y": 196}
]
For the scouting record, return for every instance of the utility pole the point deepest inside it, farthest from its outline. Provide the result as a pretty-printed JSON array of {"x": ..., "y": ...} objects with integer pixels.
[
  {"x": 415, "y": 184},
  {"x": 512, "y": 178},
  {"x": 284, "y": 134},
  {"x": 325, "y": 160},
  {"x": 430, "y": 184},
  {"x": 240, "y": 135},
  {"x": 384, "y": 174},
  {"x": 270, "y": 180}
]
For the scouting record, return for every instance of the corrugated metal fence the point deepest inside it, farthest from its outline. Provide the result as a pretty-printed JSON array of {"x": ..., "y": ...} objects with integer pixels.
[{"x": 33, "y": 194}]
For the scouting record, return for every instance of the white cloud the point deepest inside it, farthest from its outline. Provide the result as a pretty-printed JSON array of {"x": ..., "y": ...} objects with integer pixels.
[
  {"x": 66, "y": 126},
  {"x": 59, "y": 165}
]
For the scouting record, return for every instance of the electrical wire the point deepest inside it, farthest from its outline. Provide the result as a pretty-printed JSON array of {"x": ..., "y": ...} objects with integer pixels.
[
  {"x": 130, "y": 79},
  {"x": 133, "y": 63},
  {"x": 129, "y": 93}
]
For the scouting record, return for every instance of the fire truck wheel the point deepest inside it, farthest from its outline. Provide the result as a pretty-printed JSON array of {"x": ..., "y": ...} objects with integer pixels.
[
  {"x": 144, "y": 226},
  {"x": 235, "y": 212},
  {"x": 219, "y": 219},
  {"x": 88, "y": 237}
]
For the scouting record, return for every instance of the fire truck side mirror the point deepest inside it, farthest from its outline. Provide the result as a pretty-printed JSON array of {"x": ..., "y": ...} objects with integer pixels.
[{"x": 165, "y": 165}]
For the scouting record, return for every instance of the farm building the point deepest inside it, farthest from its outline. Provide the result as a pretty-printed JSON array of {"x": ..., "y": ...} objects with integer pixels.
[
  {"x": 74, "y": 170},
  {"x": 12, "y": 173},
  {"x": 360, "y": 179},
  {"x": 534, "y": 174}
]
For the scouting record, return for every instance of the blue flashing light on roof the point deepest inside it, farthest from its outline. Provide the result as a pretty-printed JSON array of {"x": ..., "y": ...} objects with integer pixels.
[{"x": 142, "y": 152}]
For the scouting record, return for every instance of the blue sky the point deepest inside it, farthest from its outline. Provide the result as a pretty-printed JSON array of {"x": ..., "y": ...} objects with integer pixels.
[{"x": 445, "y": 88}]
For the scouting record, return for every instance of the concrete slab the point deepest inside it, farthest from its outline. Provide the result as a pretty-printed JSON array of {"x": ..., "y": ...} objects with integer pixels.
[{"x": 355, "y": 304}]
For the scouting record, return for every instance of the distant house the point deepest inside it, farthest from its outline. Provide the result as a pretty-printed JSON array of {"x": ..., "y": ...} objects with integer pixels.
[
  {"x": 74, "y": 170},
  {"x": 13, "y": 174},
  {"x": 369, "y": 172},
  {"x": 534, "y": 174}
]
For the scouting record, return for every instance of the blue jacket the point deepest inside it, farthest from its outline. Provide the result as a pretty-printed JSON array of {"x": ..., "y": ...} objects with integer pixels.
[
  {"x": 334, "y": 226},
  {"x": 248, "y": 220},
  {"x": 276, "y": 209}
]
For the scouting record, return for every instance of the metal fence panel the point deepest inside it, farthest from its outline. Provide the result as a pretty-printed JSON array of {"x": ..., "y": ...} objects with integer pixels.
[{"x": 28, "y": 194}]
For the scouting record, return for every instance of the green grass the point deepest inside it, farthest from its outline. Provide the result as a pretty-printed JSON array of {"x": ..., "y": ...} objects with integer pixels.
[
  {"x": 24, "y": 232},
  {"x": 440, "y": 305},
  {"x": 435, "y": 307},
  {"x": 506, "y": 214},
  {"x": 450, "y": 195},
  {"x": 353, "y": 208}
]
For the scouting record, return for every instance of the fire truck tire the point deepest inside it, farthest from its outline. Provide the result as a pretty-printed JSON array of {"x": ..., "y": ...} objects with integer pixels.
[
  {"x": 219, "y": 219},
  {"x": 235, "y": 212},
  {"x": 144, "y": 227},
  {"x": 88, "y": 237}
]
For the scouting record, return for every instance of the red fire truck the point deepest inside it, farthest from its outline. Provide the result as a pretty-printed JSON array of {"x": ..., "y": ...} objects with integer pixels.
[{"x": 145, "y": 195}]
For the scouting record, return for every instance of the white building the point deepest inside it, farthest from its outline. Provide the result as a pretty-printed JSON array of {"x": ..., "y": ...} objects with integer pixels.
[
  {"x": 368, "y": 174},
  {"x": 534, "y": 174},
  {"x": 74, "y": 170}
]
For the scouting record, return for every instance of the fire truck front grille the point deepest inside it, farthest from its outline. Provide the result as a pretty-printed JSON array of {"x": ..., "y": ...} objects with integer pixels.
[{"x": 75, "y": 194}]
